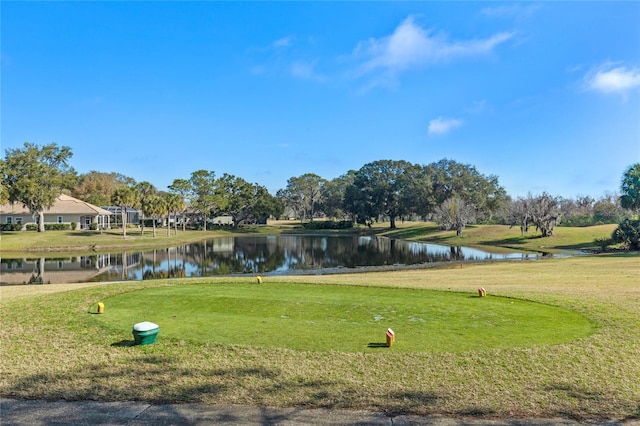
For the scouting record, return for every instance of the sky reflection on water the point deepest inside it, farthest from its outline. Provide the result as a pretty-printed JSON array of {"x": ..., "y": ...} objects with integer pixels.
[{"x": 275, "y": 255}]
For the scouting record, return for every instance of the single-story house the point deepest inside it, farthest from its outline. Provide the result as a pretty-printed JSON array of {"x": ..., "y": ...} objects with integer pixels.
[{"x": 65, "y": 209}]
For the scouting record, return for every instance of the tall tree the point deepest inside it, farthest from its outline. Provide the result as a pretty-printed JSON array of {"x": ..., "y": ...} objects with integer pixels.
[
  {"x": 542, "y": 211},
  {"x": 205, "y": 199},
  {"x": 182, "y": 187},
  {"x": 454, "y": 214},
  {"x": 333, "y": 195},
  {"x": 385, "y": 188},
  {"x": 607, "y": 209},
  {"x": 266, "y": 205},
  {"x": 96, "y": 187},
  {"x": 303, "y": 194},
  {"x": 125, "y": 197},
  {"x": 450, "y": 178},
  {"x": 35, "y": 176},
  {"x": 630, "y": 188},
  {"x": 146, "y": 193},
  {"x": 155, "y": 207},
  {"x": 4, "y": 193},
  {"x": 518, "y": 214},
  {"x": 243, "y": 200},
  {"x": 175, "y": 204},
  {"x": 238, "y": 196},
  {"x": 545, "y": 213}
]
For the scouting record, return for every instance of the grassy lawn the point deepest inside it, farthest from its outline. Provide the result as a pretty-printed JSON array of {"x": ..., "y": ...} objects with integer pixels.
[
  {"x": 346, "y": 319},
  {"x": 497, "y": 236},
  {"x": 51, "y": 347},
  {"x": 564, "y": 238}
]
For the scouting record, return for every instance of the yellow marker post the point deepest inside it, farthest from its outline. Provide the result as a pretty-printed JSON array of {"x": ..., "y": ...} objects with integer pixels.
[
  {"x": 259, "y": 279},
  {"x": 100, "y": 308},
  {"x": 390, "y": 337}
]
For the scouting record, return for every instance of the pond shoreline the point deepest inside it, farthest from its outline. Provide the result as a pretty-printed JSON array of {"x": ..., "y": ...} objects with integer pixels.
[{"x": 247, "y": 256}]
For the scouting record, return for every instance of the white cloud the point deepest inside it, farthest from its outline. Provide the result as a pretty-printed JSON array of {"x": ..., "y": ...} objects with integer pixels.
[
  {"x": 441, "y": 125},
  {"x": 611, "y": 79},
  {"x": 515, "y": 11},
  {"x": 306, "y": 71},
  {"x": 283, "y": 42},
  {"x": 478, "y": 107},
  {"x": 411, "y": 46}
]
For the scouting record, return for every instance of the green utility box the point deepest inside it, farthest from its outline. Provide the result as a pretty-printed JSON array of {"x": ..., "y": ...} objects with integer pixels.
[{"x": 145, "y": 333}]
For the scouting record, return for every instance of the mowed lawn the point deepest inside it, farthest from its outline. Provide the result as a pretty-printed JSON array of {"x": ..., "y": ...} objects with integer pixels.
[
  {"x": 317, "y": 317},
  {"x": 52, "y": 347}
]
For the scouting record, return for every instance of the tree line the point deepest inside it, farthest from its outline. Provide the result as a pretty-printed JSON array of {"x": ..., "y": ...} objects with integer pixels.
[
  {"x": 398, "y": 190},
  {"x": 448, "y": 192}
]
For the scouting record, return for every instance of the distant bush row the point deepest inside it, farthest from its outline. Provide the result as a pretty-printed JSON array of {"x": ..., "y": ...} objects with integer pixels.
[
  {"x": 328, "y": 224},
  {"x": 50, "y": 227},
  {"x": 5, "y": 227}
]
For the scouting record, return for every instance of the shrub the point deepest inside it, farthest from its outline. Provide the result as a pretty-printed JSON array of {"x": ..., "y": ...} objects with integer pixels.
[
  {"x": 6, "y": 227},
  {"x": 628, "y": 233},
  {"x": 328, "y": 224},
  {"x": 74, "y": 226},
  {"x": 56, "y": 226},
  {"x": 603, "y": 243},
  {"x": 49, "y": 227},
  {"x": 93, "y": 226}
]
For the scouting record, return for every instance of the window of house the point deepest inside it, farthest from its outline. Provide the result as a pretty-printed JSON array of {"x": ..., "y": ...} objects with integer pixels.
[
  {"x": 59, "y": 219},
  {"x": 9, "y": 219},
  {"x": 19, "y": 220}
]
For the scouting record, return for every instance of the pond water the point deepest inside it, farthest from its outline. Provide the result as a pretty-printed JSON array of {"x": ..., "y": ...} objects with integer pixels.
[{"x": 265, "y": 255}]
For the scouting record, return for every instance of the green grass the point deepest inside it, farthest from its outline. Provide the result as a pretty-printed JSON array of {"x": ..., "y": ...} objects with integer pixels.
[
  {"x": 346, "y": 319},
  {"x": 564, "y": 238},
  {"x": 499, "y": 237},
  {"x": 52, "y": 348}
]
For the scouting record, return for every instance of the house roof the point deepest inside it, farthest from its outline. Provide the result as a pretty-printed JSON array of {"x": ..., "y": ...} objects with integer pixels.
[{"x": 64, "y": 204}]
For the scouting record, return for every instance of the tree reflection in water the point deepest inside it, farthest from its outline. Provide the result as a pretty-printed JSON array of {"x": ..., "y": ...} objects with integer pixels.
[{"x": 242, "y": 255}]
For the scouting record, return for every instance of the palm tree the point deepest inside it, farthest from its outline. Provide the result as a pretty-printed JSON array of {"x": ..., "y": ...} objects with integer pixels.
[
  {"x": 156, "y": 207},
  {"x": 146, "y": 191},
  {"x": 630, "y": 187},
  {"x": 183, "y": 188},
  {"x": 124, "y": 197},
  {"x": 175, "y": 203}
]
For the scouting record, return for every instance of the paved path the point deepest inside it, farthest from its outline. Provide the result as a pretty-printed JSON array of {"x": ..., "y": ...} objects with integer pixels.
[{"x": 33, "y": 413}]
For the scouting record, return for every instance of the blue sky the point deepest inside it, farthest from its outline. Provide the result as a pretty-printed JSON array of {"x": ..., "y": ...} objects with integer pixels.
[{"x": 544, "y": 95}]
